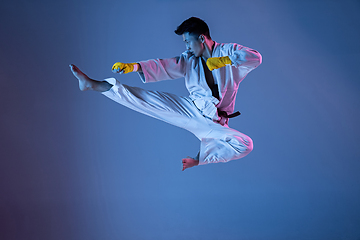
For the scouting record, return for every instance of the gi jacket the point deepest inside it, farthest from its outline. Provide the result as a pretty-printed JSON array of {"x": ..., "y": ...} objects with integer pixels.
[{"x": 227, "y": 78}]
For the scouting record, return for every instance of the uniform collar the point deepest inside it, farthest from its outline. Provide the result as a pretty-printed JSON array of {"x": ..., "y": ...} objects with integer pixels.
[
  {"x": 215, "y": 49},
  {"x": 215, "y": 52}
]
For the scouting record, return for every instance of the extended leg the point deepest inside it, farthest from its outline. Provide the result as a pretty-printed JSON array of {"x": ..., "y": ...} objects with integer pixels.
[{"x": 166, "y": 107}]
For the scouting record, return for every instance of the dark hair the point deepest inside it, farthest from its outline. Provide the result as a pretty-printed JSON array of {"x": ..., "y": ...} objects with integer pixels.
[{"x": 194, "y": 26}]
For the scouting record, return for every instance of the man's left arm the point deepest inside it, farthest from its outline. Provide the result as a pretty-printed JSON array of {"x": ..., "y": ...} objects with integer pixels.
[{"x": 237, "y": 56}]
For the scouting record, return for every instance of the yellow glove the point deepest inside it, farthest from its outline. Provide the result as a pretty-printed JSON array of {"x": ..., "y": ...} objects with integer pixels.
[
  {"x": 217, "y": 62},
  {"x": 125, "y": 67}
]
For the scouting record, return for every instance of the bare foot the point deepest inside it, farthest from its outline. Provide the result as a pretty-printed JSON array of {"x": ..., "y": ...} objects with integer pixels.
[
  {"x": 189, "y": 162},
  {"x": 85, "y": 83}
]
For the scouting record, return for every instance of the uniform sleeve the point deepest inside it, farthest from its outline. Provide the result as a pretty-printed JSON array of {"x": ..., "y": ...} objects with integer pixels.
[
  {"x": 243, "y": 57},
  {"x": 163, "y": 69}
]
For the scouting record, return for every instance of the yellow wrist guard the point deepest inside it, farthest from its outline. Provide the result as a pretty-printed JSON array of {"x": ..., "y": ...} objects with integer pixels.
[
  {"x": 217, "y": 62},
  {"x": 125, "y": 67}
]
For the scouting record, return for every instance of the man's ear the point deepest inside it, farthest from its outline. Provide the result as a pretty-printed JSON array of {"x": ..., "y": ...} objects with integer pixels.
[{"x": 202, "y": 38}]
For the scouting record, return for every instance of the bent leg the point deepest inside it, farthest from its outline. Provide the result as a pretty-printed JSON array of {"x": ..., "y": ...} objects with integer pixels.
[{"x": 224, "y": 144}]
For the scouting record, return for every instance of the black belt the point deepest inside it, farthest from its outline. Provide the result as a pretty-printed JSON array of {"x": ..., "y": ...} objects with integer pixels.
[{"x": 224, "y": 114}]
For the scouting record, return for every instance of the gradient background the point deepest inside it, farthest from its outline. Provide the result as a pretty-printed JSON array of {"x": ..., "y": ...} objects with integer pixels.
[{"x": 76, "y": 165}]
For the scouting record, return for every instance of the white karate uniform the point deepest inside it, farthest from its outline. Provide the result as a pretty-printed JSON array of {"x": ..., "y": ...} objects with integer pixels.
[{"x": 198, "y": 112}]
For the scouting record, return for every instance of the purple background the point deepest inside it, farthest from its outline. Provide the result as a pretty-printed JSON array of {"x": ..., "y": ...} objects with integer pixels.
[{"x": 76, "y": 165}]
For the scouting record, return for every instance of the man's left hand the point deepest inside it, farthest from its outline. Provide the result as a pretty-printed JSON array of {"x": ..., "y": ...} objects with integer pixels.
[{"x": 217, "y": 62}]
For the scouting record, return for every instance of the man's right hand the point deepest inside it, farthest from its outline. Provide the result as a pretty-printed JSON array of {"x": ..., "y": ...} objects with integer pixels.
[{"x": 124, "y": 68}]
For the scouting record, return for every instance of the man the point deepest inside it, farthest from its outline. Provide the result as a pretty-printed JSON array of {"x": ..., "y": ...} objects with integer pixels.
[{"x": 212, "y": 73}]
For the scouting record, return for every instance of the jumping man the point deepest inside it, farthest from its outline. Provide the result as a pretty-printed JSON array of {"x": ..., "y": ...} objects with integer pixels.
[{"x": 212, "y": 73}]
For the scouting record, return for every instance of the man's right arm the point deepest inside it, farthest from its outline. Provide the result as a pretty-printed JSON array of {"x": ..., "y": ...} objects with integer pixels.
[{"x": 155, "y": 69}]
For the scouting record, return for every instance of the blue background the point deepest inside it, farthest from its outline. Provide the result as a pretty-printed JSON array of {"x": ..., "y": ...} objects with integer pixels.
[{"x": 75, "y": 165}]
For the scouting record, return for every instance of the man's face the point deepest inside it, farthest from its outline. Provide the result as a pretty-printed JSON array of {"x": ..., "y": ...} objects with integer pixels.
[{"x": 193, "y": 44}]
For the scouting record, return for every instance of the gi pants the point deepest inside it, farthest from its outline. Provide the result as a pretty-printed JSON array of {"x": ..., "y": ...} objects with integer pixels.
[{"x": 218, "y": 143}]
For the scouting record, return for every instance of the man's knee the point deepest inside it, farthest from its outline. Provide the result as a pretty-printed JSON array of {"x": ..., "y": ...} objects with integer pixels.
[
  {"x": 230, "y": 148},
  {"x": 250, "y": 145},
  {"x": 242, "y": 146}
]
